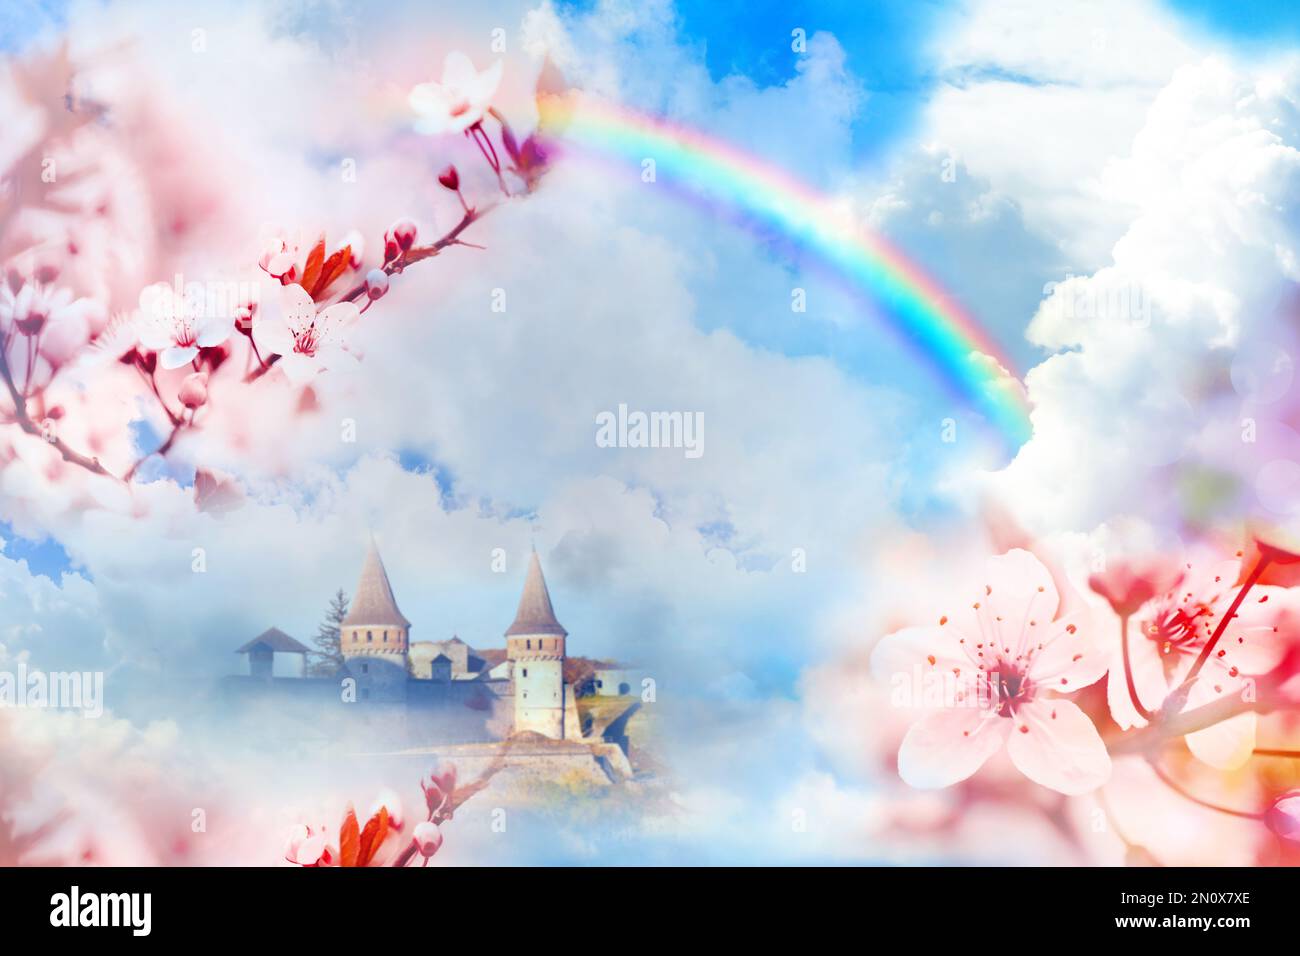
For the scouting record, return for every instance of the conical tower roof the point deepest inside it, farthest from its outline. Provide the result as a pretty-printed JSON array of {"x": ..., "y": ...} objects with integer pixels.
[
  {"x": 535, "y": 614},
  {"x": 374, "y": 604}
]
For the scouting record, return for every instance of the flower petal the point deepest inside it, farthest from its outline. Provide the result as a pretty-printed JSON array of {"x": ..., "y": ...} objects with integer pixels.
[
  {"x": 1226, "y": 745},
  {"x": 331, "y": 323},
  {"x": 458, "y": 72},
  {"x": 429, "y": 99},
  {"x": 949, "y": 745},
  {"x": 176, "y": 357},
  {"x": 1070, "y": 657},
  {"x": 299, "y": 368},
  {"x": 485, "y": 85},
  {"x": 1019, "y": 588},
  {"x": 926, "y": 667},
  {"x": 215, "y": 331},
  {"x": 1252, "y": 641},
  {"x": 272, "y": 337},
  {"x": 928, "y": 647},
  {"x": 299, "y": 311},
  {"x": 1055, "y": 744}
]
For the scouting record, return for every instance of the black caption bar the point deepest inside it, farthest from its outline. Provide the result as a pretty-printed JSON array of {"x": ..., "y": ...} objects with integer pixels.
[{"x": 273, "y": 904}]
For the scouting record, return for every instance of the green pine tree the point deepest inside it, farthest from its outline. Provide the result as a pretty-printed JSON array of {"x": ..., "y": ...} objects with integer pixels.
[{"x": 329, "y": 658}]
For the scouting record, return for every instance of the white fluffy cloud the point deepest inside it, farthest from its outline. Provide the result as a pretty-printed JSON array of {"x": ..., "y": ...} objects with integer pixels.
[{"x": 1204, "y": 267}]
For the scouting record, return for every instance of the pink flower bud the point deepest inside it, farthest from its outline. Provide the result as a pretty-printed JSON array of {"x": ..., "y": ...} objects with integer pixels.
[
  {"x": 404, "y": 233},
  {"x": 33, "y": 322},
  {"x": 1127, "y": 584},
  {"x": 1283, "y": 818},
  {"x": 15, "y": 280},
  {"x": 376, "y": 283},
  {"x": 428, "y": 838},
  {"x": 356, "y": 244},
  {"x": 438, "y": 788},
  {"x": 449, "y": 178},
  {"x": 194, "y": 390},
  {"x": 47, "y": 273},
  {"x": 391, "y": 249}
]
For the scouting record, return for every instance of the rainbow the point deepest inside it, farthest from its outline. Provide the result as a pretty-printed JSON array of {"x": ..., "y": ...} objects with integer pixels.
[{"x": 925, "y": 316}]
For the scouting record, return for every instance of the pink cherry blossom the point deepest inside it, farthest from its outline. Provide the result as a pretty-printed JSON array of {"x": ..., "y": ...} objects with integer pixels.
[
  {"x": 1166, "y": 637},
  {"x": 176, "y": 327},
  {"x": 287, "y": 324},
  {"x": 1001, "y": 659},
  {"x": 460, "y": 100},
  {"x": 48, "y": 321}
]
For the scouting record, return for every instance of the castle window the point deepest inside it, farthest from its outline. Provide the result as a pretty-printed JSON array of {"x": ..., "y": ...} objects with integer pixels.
[
  {"x": 370, "y": 636},
  {"x": 525, "y": 671},
  {"x": 385, "y": 637}
]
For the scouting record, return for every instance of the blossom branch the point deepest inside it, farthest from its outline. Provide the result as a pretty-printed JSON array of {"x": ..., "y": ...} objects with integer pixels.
[
  {"x": 1172, "y": 726},
  {"x": 24, "y": 421},
  {"x": 393, "y": 267},
  {"x": 1186, "y": 794}
]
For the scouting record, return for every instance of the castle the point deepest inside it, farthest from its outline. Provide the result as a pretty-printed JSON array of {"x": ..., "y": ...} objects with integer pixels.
[{"x": 443, "y": 690}]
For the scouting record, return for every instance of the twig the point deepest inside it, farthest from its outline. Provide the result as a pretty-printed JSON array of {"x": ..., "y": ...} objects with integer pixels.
[
  {"x": 162, "y": 449},
  {"x": 1183, "y": 792},
  {"x": 24, "y": 421},
  {"x": 1172, "y": 726},
  {"x": 410, "y": 257}
]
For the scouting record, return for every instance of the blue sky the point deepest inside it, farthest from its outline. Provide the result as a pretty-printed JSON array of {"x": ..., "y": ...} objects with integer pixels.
[
  {"x": 45, "y": 556},
  {"x": 1269, "y": 23}
]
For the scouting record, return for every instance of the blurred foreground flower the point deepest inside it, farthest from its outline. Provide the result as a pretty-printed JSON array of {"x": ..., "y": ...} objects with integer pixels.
[
  {"x": 1170, "y": 634},
  {"x": 990, "y": 677}
]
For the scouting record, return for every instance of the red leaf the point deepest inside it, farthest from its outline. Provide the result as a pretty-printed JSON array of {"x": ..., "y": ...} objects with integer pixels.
[
  {"x": 311, "y": 274},
  {"x": 372, "y": 836},
  {"x": 349, "y": 839},
  {"x": 331, "y": 270}
]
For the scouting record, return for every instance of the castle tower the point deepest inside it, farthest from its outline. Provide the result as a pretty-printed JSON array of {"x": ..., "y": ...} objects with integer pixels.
[
  {"x": 375, "y": 636},
  {"x": 535, "y": 646}
]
